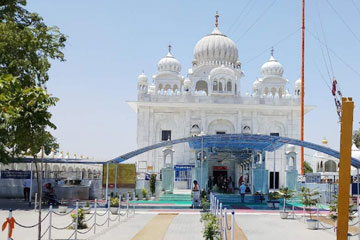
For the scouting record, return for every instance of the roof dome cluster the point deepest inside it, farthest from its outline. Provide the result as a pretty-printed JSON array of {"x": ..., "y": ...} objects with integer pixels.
[
  {"x": 169, "y": 63},
  {"x": 142, "y": 78},
  {"x": 272, "y": 68}
]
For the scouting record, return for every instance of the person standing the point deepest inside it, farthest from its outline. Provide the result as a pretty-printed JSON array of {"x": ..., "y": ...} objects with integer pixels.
[
  {"x": 242, "y": 192},
  {"x": 230, "y": 185},
  {"x": 27, "y": 183}
]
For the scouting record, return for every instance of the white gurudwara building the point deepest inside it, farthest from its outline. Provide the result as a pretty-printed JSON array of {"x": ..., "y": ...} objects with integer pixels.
[{"x": 209, "y": 100}]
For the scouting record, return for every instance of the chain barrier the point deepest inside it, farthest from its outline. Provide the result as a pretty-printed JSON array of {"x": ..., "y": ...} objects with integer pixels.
[
  {"x": 64, "y": 214},
  {"x": 69, "y": 238},
  {"x": 101, "y": 215},
  {"x": 92, "y": 215},
  {"x": 115, "y": 219},
  {"x": 74, "y": 223},
  {"x": 87, "y": 230},
  {"x": 100, "y": 225},
  {"x": 45, "y": 232},
  {"x": 62, "y": 228},
  {"x": 31, "y": 226}
]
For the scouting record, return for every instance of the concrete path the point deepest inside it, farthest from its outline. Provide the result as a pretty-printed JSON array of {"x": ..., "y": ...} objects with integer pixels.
[
  {"x": 125, "y": 230},
  {"x": 185, "y": 226},
  {"x": 271, "y": 227}
]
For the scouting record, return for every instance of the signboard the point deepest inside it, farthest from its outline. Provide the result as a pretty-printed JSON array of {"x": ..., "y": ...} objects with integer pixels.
[
  {"x": 220, "y": 168},
  {"x": 183, "y": 167},
  {"x": 126, "y": 175},
  {"x": 15, "y": 174}
]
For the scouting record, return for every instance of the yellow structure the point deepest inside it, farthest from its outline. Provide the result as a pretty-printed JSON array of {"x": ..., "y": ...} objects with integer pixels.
[{"x": 344, "y": 169}]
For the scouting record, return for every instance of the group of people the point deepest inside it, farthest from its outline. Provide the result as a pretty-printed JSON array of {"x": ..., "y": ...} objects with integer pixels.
[
  {"x": 221, "y": 183},
  {"x": 49, "y": 195}
]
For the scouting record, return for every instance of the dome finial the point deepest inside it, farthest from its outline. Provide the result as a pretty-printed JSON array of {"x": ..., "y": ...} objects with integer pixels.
[
  {"x": 169, "y": 48},
  {"x": 272, "y": 51},
  {"x": 217, "y": 19}
]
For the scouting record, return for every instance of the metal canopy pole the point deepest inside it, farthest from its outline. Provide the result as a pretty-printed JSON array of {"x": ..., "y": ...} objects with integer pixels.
[
  {"x": 31, "y": 182},
  {"x": 107, "y": 182},
  {"x": 201, "y": 162},
  {"x": 274, "y": 175},
  {"x": 116, "y": 172}
]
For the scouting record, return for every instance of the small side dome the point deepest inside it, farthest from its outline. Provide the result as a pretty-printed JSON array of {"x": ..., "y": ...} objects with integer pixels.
[
  {"x": 298, "y": 87},
  {"x": 256, "y": 84},
  {"x": 142, "y": 78},
  {"x": 151, "y": 89},
  {"x": 272, "y": 68},
  {"x": 187, "y": 82},
  {"x": 169, "y": 63},
  {"x": 298, "y": 84}
]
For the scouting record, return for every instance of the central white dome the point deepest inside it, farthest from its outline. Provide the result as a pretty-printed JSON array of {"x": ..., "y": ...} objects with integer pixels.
[{"x": 216, "y": 48}]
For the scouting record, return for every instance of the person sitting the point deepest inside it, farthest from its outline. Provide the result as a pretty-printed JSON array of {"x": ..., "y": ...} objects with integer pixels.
[{"x": 49, "y": 194}]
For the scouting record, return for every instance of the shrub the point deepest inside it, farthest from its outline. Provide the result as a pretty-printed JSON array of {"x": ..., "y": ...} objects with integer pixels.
[
  {"x": 144, "y": 192},
  {"x": 211, "y": 229},
  {"x": 309, "y": 198},
  {"x": 114, "y": 202},
  {"x": 205, "y": 204},
  {"x": 333, "y": 209},
  {"x": 81, "y": 219},
  {"x": 152, "y": 183},
  {"x": 286, "y": 195}
]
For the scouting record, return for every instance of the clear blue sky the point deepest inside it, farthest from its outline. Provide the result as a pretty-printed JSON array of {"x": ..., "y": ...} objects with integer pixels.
[{"x": 111, "y": 42}]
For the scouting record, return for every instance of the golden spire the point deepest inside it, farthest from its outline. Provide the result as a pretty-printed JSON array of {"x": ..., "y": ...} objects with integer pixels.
[
  {"x": 216, "y": 19},
  {"x": 324, "y": 141}
]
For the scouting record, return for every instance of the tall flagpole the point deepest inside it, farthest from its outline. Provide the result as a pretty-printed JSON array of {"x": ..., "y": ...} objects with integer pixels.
[{"x": 302, "y": 84}]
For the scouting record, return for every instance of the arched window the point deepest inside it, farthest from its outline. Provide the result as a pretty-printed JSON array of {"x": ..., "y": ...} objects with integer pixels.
[
  {"x": 201, "y": 86},
  {"x": 215, "y": 86},
  {"x": 220, "y": 87},
  {"x": 160, "y": 86},
  {"x": 167, "y": 87},
  {"x": 266, "y": 91},
  {"x": 228, "y": 87},
  {"x": 330, "y": 166},
  {"x": 273, "y": 91},
  {"x": 280, "y": 92},
  {"x": 175, "y": 87},
  {"x": 235, "y": 88}
]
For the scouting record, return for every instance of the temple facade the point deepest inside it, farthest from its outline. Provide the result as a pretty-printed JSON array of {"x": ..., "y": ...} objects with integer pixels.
[{"x": 209, "y": 100}]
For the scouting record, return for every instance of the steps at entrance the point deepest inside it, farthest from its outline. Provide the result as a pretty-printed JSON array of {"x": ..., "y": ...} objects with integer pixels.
[
  {"x": 232, "y": 199},
  {"x": 176, "y": 197}
]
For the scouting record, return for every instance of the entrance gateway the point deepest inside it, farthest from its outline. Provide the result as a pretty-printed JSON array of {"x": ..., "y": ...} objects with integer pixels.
[{"x": 237, "y": 155}]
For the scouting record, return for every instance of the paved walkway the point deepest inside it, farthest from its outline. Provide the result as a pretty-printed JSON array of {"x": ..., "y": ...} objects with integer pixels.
[
  {"x": 185, "y": 226},
  {"x": 271, "y": 227}
]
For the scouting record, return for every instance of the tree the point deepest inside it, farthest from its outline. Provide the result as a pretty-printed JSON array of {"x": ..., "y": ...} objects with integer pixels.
[
  {"x": 27, "y": 43},
  {"x": 356, "y": 138},
  {"x": 307, "y": 167},
  {"x": 25, "y": 123}
]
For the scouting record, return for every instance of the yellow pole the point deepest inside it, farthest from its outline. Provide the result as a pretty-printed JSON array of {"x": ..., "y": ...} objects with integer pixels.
[{"x": 344, "y": 169}]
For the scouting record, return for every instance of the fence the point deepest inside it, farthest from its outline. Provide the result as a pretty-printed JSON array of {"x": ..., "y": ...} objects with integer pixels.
[
  {"x": 216, "y": 208},
  {"x": 74, "y": 224}
]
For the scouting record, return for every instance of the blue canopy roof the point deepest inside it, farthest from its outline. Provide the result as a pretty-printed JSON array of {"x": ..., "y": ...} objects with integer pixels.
[{"x": 237, "y": 142}]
